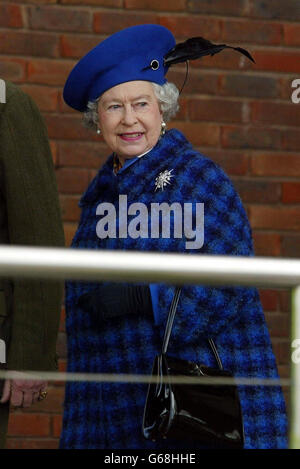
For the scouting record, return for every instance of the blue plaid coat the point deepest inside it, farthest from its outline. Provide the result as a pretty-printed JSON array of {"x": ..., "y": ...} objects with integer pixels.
[{"x": 109, "y": 415}]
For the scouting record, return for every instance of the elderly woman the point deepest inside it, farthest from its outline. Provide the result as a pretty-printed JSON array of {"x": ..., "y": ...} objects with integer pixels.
[{"x": 116, "y": 328}]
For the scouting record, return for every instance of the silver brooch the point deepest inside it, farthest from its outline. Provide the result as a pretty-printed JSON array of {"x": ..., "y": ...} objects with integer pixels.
[{"x": 163, "y": 179}]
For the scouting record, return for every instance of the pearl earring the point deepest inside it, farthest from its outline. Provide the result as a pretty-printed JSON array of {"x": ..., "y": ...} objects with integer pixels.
[
  {"x": 163, "y": 128},
  {"x": 98, "y": 131}
]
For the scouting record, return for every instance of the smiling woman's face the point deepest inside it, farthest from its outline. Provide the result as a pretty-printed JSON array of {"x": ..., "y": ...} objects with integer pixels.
[{"x": 130, "y": 118}]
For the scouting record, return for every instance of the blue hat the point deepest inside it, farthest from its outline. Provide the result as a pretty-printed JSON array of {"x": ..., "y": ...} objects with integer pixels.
[{"x": 135, "y": 53}]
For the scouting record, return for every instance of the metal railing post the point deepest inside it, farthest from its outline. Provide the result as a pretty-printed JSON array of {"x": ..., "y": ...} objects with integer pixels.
[{"x": 294, "y": 431}]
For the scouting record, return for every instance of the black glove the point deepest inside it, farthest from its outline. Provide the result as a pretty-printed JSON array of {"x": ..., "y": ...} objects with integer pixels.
[{"x": 115, "y": 300}]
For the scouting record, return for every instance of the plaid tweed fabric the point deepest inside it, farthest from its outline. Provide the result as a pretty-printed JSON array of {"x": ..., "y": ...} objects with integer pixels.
[{"x": 109, "y": 415}]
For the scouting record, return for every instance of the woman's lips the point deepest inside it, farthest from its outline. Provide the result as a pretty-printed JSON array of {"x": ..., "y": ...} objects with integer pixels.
[{"x": 131, "y": 137}]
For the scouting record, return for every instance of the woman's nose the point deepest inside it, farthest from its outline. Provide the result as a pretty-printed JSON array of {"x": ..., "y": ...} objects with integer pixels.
[{"x": 129, "y": 116}]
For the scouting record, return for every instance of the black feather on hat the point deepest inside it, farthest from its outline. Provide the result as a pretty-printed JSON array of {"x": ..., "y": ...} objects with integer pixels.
[{"x": 197, "y": 47}]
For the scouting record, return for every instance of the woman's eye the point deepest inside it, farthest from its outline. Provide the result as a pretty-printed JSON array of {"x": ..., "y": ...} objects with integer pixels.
[
  {"x": 114, "y": 106},
  {"x": 141, "y": 104}
]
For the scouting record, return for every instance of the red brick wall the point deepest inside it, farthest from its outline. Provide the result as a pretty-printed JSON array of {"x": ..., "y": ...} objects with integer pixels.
[{"x": 239, "y": 114}]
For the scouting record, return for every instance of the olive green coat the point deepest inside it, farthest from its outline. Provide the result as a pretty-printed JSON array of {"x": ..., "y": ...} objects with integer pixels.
[{"x": 29, "y": 216}]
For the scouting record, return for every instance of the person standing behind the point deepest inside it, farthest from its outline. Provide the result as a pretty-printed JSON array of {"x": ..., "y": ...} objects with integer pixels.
[{"x": 29, "y": 216}]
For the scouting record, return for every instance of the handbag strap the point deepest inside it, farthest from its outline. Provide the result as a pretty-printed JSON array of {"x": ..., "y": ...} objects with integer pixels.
[
  {"x": 169, "y": 326},
  {"x": 170, "y": 320}
]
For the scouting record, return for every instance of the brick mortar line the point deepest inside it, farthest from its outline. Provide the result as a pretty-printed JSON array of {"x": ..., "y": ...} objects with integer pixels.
[
  {"x": 275, "y": 205},
  {"x": 91, "y": 34},
  {"x": 242, "y": 99},
  {"x": 264, "y": 179},
  {"x": 194, "y": 97},
  {"x": 220, "y": 123},
  {"x": 77, "y": 7},
  {"x": 270, "y": 152},
  {"x": 258, "y": 126},
  {"x": 273, "y": 231},
  {"x": 52, "y": 32},
  {"x": 259, "y": 46},
  {"x": 247, "y": 125},
  {"x": 24, "y": 15},
  {"x": 182, "y": 14},
  {"x": 281, "y": 340},
  {"x": 245, "y": 17},
  {"x": 210, "y": 70},
  {"x": 42, "y": 58}
]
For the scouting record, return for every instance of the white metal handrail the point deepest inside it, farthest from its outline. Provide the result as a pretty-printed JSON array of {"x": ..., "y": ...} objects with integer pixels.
[
  {"x": 75, "y": 264},
  {"x": 84, "y": 264}
]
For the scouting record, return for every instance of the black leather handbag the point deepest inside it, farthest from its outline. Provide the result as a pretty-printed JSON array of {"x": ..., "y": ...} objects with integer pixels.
[{"x": 209, "y": 413}]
